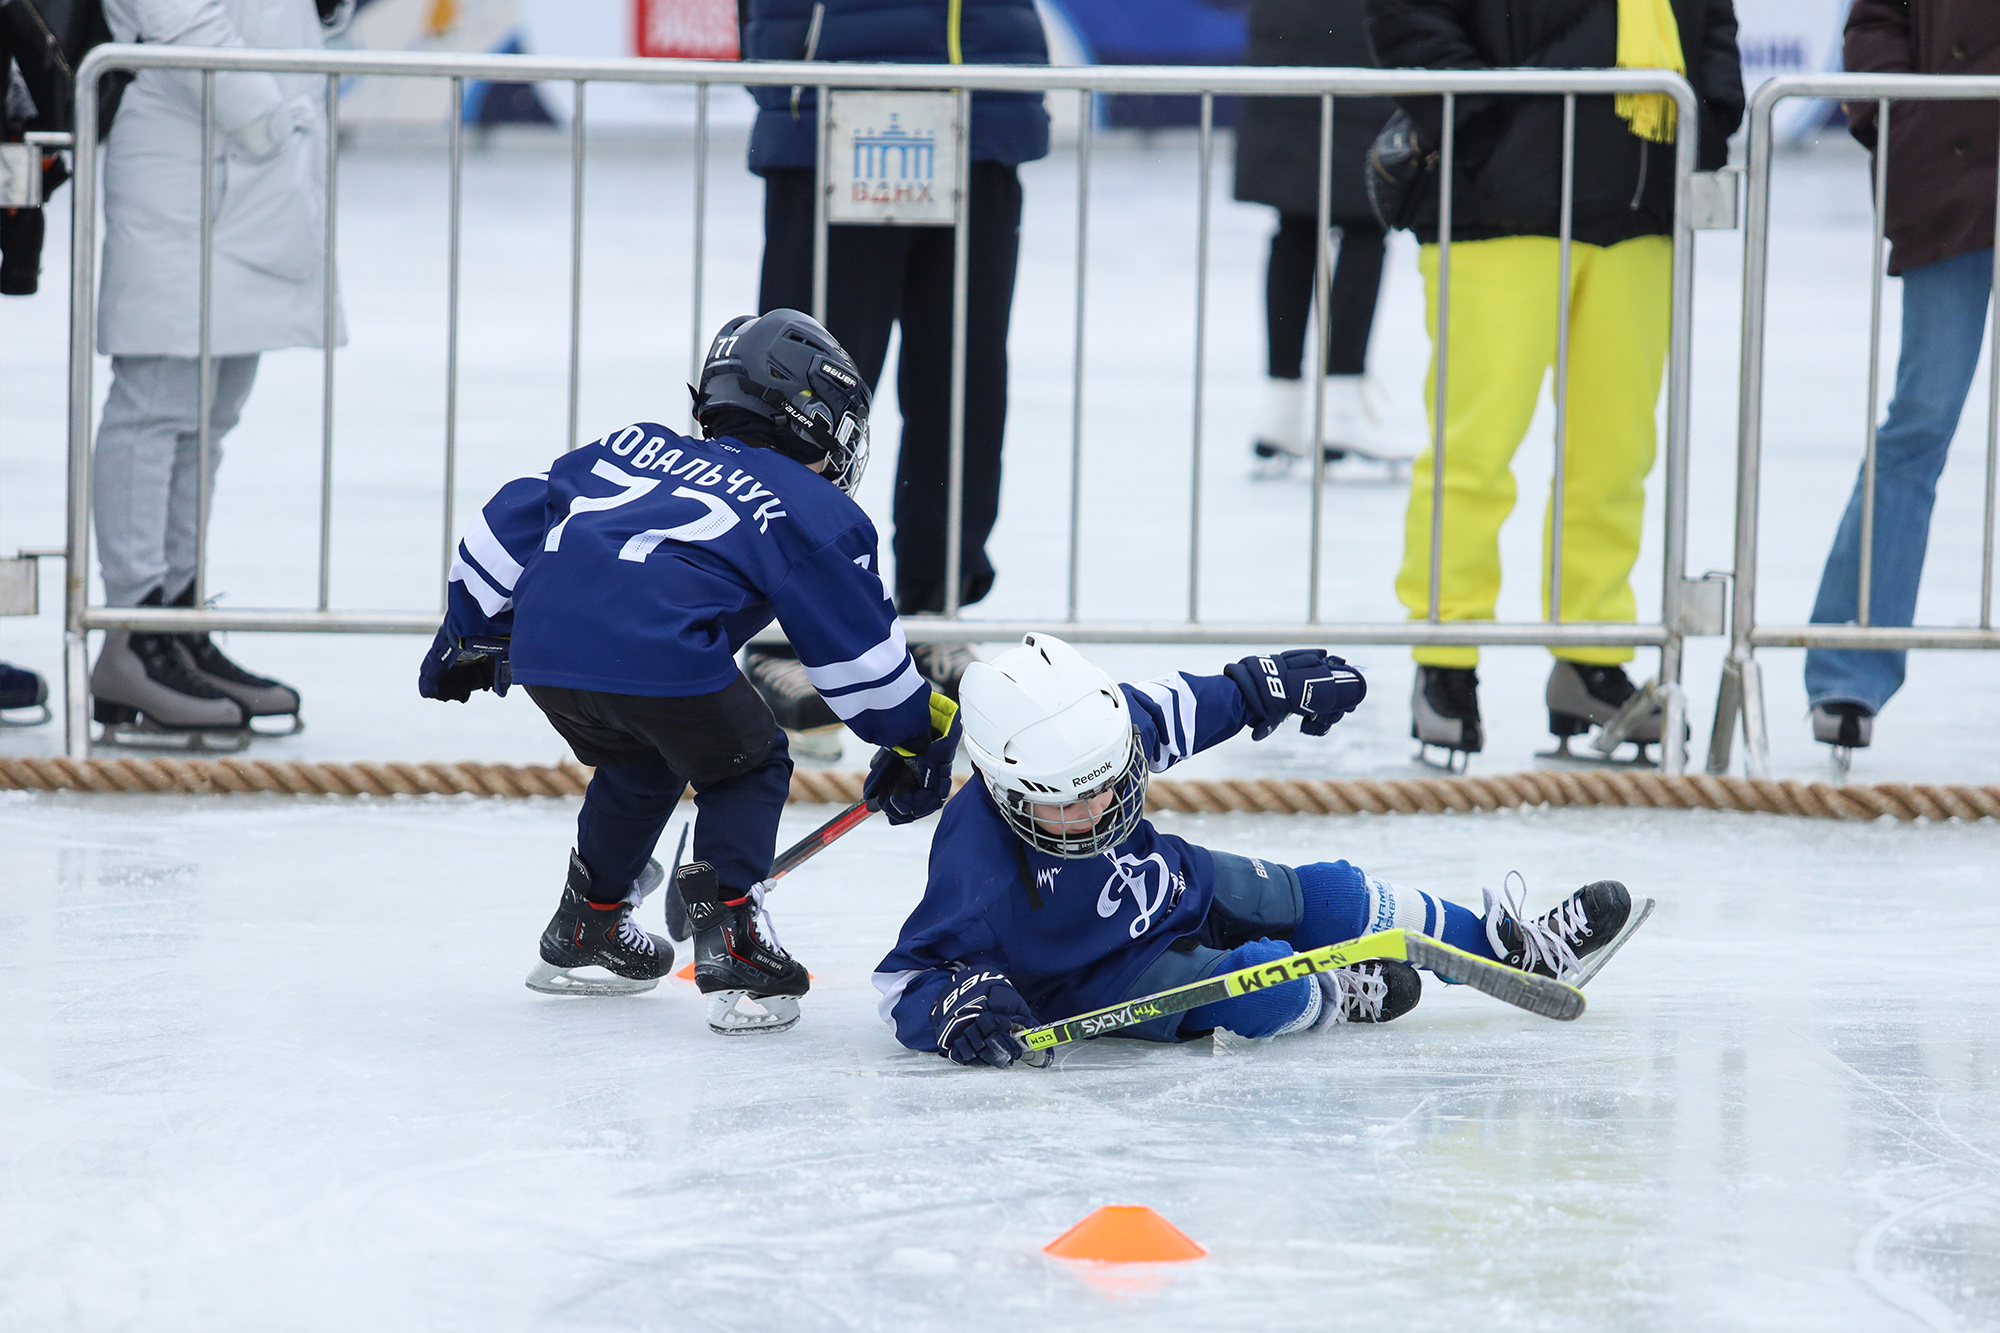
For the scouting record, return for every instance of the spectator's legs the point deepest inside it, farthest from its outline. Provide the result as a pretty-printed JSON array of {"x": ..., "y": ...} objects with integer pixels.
[
  {"x": 923, "y": 387},
  {"x": 1619, "y": 316},
  {"x": 1356, "y": 283},
  {"x": 1944, "y": 317},
  {"x": 1503, "y": 329},
  {"x": 865, "y": 270},
  {"x": 1288, "y": 280},
  {"x": 144, "y": 468}
]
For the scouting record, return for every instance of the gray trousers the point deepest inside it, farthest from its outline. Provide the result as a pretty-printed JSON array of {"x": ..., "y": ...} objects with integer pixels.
[{"x": 144, "y": 476}]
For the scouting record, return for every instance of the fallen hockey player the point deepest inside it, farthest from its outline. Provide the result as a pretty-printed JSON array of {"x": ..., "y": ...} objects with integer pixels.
[
  {"x": 618, "y": 586},
  {"x": 1050, "y": 894}
]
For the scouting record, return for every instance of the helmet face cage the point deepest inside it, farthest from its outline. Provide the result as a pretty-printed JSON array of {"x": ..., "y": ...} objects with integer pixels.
[{"x": 1128, "y": 806}]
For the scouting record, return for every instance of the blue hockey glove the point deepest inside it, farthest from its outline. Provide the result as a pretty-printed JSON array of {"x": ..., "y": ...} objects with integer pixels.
[
  {"x": 1317, "y": 686},
  {"x": 976, "y": 1018},
  {"x": 455, "y": 667},
  {"x": 907, "y": 783}
]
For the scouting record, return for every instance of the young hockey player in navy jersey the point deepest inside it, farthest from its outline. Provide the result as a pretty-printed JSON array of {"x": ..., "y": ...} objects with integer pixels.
[
  {"x": 618, "y": 586},
  {"x": 1051, "y": 895}
]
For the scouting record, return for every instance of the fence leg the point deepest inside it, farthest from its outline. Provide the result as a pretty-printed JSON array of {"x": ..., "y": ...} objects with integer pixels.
[
  {"x": 76, "y": 694},
  {"x": 1673, "y": 726},
  {"x": 1728, "y": 707},
  {"x": 1756, "y": 735}
]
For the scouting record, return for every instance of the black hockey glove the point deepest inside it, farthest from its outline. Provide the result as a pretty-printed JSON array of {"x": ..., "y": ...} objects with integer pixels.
[
  {"x": 976, "y": 1018},
  {"x": 907, "y": 783},
  {"x": 455, "y": 667},
  {"x": 1317, "y": 686}
]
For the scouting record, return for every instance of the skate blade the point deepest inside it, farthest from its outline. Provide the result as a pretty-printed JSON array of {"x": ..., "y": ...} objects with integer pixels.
[
  {"x": 552, "y": 980},
  {"x": 298, "y": 724},
  {"x": 737, "y": 1013},
  {"x": 1565, "y": 758},
  {"x": 43, "y": 709},
  {"x": 1595, "y": 963},
  {"x": 1456, "y": 762},
  {"x": 145, "y": 736}
]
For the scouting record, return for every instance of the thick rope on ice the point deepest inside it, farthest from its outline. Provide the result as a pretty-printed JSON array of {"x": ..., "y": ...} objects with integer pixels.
[{"x": 1347, "y": 796}]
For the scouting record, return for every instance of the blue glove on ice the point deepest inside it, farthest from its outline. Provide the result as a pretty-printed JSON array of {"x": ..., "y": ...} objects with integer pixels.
[
  {"x": 1317, "y": 686},
  {"x": 455, "y": 667},
  {"x": 907, "y": 783},
  {"x": 975, "y": 1020}
]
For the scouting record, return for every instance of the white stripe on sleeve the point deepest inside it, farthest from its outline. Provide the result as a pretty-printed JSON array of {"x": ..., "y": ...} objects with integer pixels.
[
  {"x": 491, "y": 601},
  {"x": 892, "y": 985},
  {"x": 1176, "y": 700},
  {"x": 908, "y": 682},
  {"x": 874, "y": 664},
  {"x": 483, "y": 546}
]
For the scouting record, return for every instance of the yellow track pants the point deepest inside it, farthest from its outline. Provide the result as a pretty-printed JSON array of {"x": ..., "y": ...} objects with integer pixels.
[{"x": 1503, "y": 345}]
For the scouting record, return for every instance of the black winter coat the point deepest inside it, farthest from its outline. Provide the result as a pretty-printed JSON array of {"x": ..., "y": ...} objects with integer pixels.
[
  {"x": 1509, "y": 149},
  {"x": 1277, "y": 138}
]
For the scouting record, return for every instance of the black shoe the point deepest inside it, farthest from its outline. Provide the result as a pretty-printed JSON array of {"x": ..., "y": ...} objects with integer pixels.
[
  {"x": 751, "y": 983},
  {"x": 587, "y": 932},
  {"x": 1555, "y": 942},
  {"x": 1374, "y": 992},
  {"x": 22, "y": 688},
  {"x": 781, "y": 681},
  {"x": 1581, "y": 696},
  {"x": 259, "y": 696},
  {"x": 1850, "y": 726},
  {"x": 943, "y": 665},
  {"x": 1444, "y": 709}
]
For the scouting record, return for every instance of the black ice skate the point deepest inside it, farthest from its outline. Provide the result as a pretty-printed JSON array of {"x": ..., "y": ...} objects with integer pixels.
[
  {"x": 259, "y": 696},
  {"x": 943, "y": 665},
  {"x": 1444, "y": 711},
  {"x": 146, "y": 692},
  {"x": 588, "y": 933},
  {"x": 1581, "y": 696},
  {"x": 751, "y": 983},
  {"x": 20, "y": 689},
  {"x": 1847, "y": 727},
  {"x": 1594, "y": 923},
  {"x": 1375, "y": 992},
  {"x": 812, "y": 727}
]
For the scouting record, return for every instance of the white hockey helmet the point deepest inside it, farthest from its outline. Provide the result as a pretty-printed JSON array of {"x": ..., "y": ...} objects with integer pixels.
[{"x": 1046, "y": 728}]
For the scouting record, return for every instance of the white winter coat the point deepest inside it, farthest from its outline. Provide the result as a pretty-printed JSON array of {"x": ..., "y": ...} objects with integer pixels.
[{"x": 269, "y": 189}]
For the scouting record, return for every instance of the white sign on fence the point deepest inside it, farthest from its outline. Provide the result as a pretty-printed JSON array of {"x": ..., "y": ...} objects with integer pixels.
[{"x": 892, "y": 158}]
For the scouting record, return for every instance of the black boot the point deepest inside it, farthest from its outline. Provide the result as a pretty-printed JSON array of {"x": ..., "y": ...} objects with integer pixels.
[
  {"x": 1444, "y": 710},
  {"x": 1373, "y": 992},
  {"x": 1557, "y": 941},
  {"x": 588, "y": 931},
  {"x": 1581, "y": 696},
  {"x": 260, "y": 697},
  {"x": 751, "y": 983}
]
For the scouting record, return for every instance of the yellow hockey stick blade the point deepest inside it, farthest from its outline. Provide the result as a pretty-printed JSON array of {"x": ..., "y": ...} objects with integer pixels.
[{"x": 1524, "y": 990}]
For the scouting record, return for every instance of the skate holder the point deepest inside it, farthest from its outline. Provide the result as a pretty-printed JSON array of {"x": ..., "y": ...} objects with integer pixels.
[{"x": 1130, "y": 1234}]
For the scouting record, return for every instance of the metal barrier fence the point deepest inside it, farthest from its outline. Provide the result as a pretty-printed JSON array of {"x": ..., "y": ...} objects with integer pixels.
[
  {"x": 1687, "y": 607},
  {"x": 1741, "y": 696}
]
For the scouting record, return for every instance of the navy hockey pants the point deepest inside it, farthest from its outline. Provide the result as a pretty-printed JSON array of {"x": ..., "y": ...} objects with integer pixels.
[{"x": 647, "y": 751}]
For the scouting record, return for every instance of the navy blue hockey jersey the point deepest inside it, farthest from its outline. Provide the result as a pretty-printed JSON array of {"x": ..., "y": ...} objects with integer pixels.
[
  {"x": 1072, "y": 935},
  {"x": 641, "y": 562}
]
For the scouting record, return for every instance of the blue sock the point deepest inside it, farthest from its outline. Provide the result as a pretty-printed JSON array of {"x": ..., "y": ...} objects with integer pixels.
[{"x": 1342, "y": 902}]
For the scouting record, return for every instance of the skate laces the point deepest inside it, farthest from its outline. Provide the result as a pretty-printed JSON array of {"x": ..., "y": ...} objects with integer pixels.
[
  {"x": 760, "y": 919},
  {"x": 1549, "y": 940},
  {"x": 1362, "y": 991},
  {"x": 630, "y": 935}
]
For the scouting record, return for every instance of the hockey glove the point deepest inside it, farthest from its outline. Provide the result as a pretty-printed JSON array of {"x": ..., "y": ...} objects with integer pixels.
[
  {"x": 1317, "y": 686},
  {"x": 455, "y": 667},
  {"x": 908, "y": 783},
  {"x": 975, "y": 1020}
]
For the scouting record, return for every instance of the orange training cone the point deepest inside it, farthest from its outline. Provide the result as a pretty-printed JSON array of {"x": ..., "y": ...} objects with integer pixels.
[
  {"x": 686, "y": 973},
  {"x": 1125, "y": 1235}
]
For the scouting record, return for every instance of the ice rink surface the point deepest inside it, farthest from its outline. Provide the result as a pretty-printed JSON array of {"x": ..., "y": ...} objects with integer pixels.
[{"x": 268, "y": 1063}]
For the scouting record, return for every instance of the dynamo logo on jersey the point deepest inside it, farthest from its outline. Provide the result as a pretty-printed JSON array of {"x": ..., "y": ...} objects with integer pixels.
[{"x": 1153, "y": 894}]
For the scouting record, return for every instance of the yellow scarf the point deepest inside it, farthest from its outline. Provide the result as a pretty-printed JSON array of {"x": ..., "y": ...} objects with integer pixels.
[{"x": 1649, "y": 38}]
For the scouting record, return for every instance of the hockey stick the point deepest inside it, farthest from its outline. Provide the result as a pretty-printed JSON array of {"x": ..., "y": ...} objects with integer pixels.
[
  {"x": 800, "y": 852},
  {"x": 1524, "y": 990}
]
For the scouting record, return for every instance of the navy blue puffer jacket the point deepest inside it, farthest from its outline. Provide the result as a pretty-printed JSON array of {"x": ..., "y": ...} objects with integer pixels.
[{"x": 1009, "y": 128}]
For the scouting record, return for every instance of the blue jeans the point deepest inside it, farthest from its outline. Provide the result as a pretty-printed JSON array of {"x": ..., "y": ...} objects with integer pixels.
[{"x": 1944, "y": 318}]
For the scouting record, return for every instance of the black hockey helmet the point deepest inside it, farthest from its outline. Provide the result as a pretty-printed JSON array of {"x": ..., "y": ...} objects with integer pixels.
[{"x": 786, "y": 368}]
